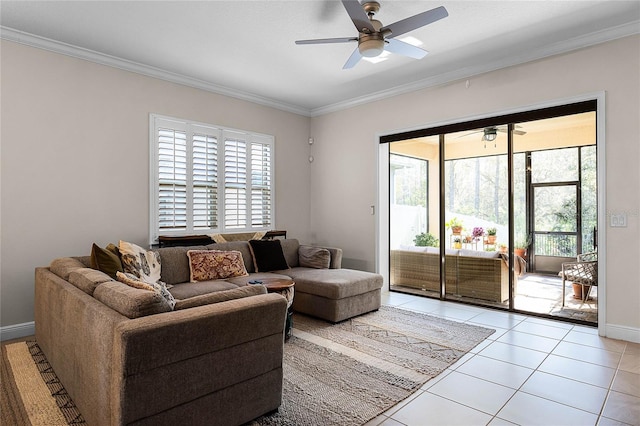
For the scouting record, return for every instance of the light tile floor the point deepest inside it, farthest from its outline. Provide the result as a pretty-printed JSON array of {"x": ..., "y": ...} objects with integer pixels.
[{"x": 531, "y": 371}]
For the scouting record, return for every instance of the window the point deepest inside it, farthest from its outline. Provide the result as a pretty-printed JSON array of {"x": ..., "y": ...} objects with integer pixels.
[{"x": 208, "y": 179}]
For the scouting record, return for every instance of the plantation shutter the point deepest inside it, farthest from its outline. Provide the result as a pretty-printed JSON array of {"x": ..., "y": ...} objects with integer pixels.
[
  {"x": 261, "y": 193},
  {"x": 208, "y": 179},
  {"x": 172, "y": 179},
  {"x": 235, "y": 182},
  {"x": 205, "y": 181}
]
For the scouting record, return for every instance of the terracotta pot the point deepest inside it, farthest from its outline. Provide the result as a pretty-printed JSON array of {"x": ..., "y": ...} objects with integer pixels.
[
  {"x": 520, "y": 252},
  {"x": 456, "y": 230},
  {"x": 577, "y": 291},
  {"x": 491, "y": 239}
]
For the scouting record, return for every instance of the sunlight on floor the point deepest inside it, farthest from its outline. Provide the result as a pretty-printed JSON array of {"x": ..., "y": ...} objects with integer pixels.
[{"x": 543, "y": 294}]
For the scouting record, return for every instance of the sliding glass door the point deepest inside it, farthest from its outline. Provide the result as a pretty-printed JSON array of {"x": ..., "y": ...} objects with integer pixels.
[
  {"x": 488, "y": 212},
  {"x": 414, "y": 224}
]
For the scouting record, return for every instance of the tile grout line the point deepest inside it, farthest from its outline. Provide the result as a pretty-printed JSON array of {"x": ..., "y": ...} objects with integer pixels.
[{"x": 512, "y": 327}]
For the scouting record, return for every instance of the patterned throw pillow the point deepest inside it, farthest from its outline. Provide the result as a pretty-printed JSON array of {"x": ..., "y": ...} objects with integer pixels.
[
  {"x": 208, "y": 265},
  {"x": 159, "y": 287},
  {"x": 140, "y": 262},
  {"x": 314, "y": 257}
]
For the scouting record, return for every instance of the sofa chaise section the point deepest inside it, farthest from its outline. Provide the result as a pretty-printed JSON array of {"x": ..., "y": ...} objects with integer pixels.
[{"x": 335, "y": 294}]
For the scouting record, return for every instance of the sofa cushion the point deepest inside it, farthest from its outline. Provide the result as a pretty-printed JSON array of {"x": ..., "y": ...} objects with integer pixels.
[
  {"x": 314, "y": 257},
  {"x": 131, "y": 302},
  {"x": 241, "y": 246},
  {"x": 220, "y": 296},
  {"x": 334, "y": 283},
  {"x": 63, "y": 266},
  {"x": 106, "y": 259},
  {"x": 87, "y": 279},
  {"x": 290, "y": 249},
  {"x": 176, "y": 263},
  {"x": 267, "y": 255},
  {"x": 480, "y": 253},
  {"x": 142, "y": 263},
  {"x": 243, "y": 281},
  {"x": 135, "y": 282},
  {"x": 206, "y": 265},
  {"x": 189, "y": 289}
]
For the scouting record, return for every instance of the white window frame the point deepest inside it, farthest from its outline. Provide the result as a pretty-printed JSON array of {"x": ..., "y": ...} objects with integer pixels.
[{"x": 157, "y": 121}]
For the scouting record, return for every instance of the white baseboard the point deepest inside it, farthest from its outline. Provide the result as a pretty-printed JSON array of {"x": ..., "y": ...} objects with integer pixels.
[
  {"x": 17, "y": 330},
  {"x": 622, "y": 332}
]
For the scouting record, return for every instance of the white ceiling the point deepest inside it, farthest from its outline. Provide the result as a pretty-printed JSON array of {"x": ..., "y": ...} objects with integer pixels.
[{"x": 246, "y": 48}]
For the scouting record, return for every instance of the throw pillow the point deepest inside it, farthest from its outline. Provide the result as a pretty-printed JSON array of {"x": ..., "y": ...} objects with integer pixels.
[
  {"x": 208, "y": 265},
  {"x": 314, "y": 257},
  {"x": 159, "y": 287},
  {"x": 140, "y": 262},
  {"x": 267, "y": 255},
  {"x": 106, "y": 260}
]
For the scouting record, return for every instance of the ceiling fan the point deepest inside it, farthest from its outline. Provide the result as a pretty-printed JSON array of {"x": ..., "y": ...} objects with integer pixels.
[
  {"x": 374, "y": 38},
  {"x": 489, "y": 134}
]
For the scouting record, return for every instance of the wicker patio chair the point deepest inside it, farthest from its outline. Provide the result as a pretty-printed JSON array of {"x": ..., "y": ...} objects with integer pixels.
[{"x": 584, "y": 272}]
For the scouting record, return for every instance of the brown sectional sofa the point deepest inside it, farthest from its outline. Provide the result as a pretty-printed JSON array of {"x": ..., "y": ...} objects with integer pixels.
[
  {"x": 215, "y": 359},
  {"x": 468, "y": 273}
]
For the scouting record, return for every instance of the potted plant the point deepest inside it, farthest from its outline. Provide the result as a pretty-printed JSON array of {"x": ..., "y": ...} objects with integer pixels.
[
  {"x": 477, "y": 233},
  {"x": 457, "y": 243},
  {"x": 426, "y": 240},
  {"x": 455, "y": 224},
  {"x": 502, "y": 248},
  {"x": 520, "y": 248},
  {"x": 491, "y": 235}
]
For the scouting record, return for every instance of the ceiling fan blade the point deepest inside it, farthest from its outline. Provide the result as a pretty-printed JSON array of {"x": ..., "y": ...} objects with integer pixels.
[
  {"x": 328, "y": 40},
  {"x": 469, "y": 134},
  {"x": 353, "y": 59},
  {"x": 415, "y": 21},
  {"x": 406, "y": 49},
  {"x": 358, "y": 16},
  {"x": 515, "y": 132}
]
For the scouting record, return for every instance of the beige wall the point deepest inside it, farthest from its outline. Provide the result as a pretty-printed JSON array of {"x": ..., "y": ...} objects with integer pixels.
[
  {"x": 344, "y": 173},
  {"x": 75, "y": 154},
  {"x": 74, "y": 159}
]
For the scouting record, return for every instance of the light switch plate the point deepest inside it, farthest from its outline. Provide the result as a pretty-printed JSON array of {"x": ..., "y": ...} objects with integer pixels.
[{"x": 618, "y": 220}]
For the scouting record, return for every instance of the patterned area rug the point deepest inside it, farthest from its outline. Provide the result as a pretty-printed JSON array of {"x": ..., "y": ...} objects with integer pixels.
[
  {"x": 349, "y": 373},
  {"x": 31, "y": 393},
  {"x": 334, "y": 374}
]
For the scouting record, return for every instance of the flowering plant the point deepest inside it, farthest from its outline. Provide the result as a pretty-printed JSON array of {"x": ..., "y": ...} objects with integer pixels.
[{"x": 477, "y": 232}]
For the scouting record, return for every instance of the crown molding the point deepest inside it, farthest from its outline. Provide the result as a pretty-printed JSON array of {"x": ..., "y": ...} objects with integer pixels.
[
  {"x": 566, "y": 46},
  {"x": 575, "y": 43},
  {"x": 44, "y": 43}
]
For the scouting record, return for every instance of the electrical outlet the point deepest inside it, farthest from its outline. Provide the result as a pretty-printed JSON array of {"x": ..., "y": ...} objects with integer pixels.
[{"x": 618, "y": 220}]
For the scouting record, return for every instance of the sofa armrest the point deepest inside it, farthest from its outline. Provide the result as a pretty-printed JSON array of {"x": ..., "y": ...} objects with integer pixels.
[
  {"x": 336, "y": 257},
  {"x": 199, "y": 350}
]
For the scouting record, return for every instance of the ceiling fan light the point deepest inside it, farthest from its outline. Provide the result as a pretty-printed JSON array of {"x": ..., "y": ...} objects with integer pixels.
[
  {"x": 371, "y": 48},
  {"x": 490, "y": 135}
]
